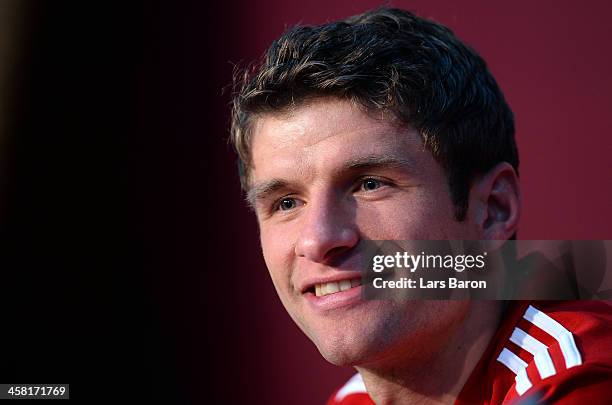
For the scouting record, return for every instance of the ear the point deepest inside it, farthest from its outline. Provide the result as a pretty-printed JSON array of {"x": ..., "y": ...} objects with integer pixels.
[{"x": 496, "y": 201}]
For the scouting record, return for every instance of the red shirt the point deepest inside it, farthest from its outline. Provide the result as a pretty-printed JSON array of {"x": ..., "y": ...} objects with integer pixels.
[{"x": 543, "y": 352}]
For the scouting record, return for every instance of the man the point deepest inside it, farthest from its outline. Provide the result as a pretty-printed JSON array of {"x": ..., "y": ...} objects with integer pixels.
[{"x": 386, "y": 127}]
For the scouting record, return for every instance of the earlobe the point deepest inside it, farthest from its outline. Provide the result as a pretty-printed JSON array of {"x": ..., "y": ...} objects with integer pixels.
[{"x": 498, "y": 202}]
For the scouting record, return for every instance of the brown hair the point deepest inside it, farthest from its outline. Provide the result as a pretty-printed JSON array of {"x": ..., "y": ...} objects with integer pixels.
[{"x": 393, "y": 61}]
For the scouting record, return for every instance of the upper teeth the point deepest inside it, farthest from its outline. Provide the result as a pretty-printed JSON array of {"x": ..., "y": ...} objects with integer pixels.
[{"x": 334, "y": 287}]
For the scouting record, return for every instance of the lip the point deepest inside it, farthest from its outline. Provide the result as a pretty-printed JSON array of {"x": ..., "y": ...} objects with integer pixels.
[
  {"x": 345, "y": 275},
  {"x": 337, "y": 300}
]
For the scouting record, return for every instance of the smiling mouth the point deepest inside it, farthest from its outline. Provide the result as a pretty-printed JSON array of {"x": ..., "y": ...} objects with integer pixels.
[{"x": 323, "y": 289}]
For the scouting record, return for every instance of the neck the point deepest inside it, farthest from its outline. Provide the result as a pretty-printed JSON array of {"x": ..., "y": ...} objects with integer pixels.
[{"x": 434, "y": 375}]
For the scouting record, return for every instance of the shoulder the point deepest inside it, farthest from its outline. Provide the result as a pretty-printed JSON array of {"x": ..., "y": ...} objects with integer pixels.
[
  {"x": 353, "y": 392},
  {"x": 544, "y": 352},
  {"x": 559, "y": 352}
]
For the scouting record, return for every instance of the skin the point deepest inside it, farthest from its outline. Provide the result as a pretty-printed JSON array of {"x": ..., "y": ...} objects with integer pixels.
[{"x": 327, "y": 175}]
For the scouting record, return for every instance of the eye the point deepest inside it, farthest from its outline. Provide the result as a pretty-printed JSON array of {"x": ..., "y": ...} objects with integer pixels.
[
  {"x": 287, "y": 204},
  {"x": 371, "y": 184}
]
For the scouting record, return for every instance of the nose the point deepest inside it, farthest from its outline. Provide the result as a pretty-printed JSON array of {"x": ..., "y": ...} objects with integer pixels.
[{"x": 328, "y": 230}]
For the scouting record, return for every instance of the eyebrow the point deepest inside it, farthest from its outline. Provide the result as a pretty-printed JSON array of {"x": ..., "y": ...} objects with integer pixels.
[
  {"x": 259, "y": 191},
  {"x": 376, "y": 161}
]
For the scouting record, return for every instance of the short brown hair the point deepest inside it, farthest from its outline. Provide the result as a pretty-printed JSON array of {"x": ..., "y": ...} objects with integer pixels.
[{"x": 393, "y": 61}]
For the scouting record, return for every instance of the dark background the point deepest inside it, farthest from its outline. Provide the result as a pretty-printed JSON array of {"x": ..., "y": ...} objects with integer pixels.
[{"x": 130, "y": 266}]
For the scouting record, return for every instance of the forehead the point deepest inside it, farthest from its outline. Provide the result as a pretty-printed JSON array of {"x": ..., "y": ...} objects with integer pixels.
[{"x": 318, "y": 137}]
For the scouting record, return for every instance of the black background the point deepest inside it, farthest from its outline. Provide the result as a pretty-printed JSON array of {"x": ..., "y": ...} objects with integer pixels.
[{"x": 116, "y": 169}]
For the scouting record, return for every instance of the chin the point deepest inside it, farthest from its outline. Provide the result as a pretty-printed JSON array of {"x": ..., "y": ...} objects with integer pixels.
[
  {"x": 347, "y": 351},
  {"x": 341, "y": 358}
]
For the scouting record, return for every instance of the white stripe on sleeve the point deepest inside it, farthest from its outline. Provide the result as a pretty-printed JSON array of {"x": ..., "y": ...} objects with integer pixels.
[
  {"x": 541, "y": 357},
  {"x": 563, "y": 336}
]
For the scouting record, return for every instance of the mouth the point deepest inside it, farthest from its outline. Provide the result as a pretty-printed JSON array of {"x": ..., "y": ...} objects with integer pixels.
[
  {"x": 334, "y": 295},
  {"x": 334, "y": 287}
]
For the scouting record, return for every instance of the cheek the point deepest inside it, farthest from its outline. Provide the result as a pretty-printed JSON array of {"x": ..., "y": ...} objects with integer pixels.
[
  {"x": 432, "y": 216},
  {"x": 415, "y": 216},
  {"x": 277, "y": 251}
]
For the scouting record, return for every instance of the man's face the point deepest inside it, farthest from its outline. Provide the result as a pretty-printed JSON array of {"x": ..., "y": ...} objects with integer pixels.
[{"x": 326, "y": 177}]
